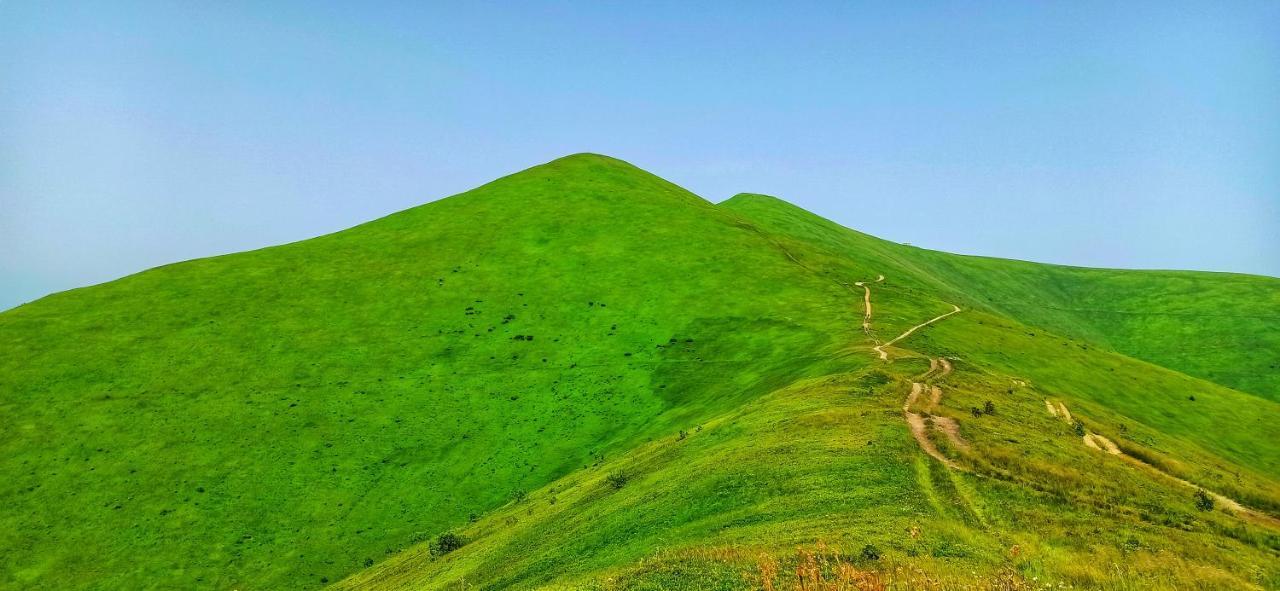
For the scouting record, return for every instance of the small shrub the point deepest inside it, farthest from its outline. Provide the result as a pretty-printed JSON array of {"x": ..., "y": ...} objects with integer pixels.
[
  {"x": 446, "y": 543},
  {"x": 683, "y": 434},
  {"x": 949, "y": 549},
  {"x": 976, "y": 412},
  {"x": 1204, "y": 502},
  {"x": 874, "y": 379},
  {"x": 617, "y": 480},
  {"x": 1131, "y": 544},
  {"x": 870, "y": 552},
  {"x": 1078, "y": 429},
  {"x": 989, "y": 407}
]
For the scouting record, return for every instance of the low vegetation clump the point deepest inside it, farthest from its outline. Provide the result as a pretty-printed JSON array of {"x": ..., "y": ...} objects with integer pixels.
[
  {"x": 617, "y": 480},
  {"x": 1203, "y": 501},
  {"x": 446, "y": 543}
]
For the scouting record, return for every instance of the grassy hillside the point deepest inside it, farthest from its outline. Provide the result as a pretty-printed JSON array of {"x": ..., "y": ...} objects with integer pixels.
[
  {"x": 1222, "y": 327},
  {"x": 824, "y": 472},
  {"x": 821, "y": 466},
  {"x": 278, "y": 418},
  {"x": 593, "y": 378}
]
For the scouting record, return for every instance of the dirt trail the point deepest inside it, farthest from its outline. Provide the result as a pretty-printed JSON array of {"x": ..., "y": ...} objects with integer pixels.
[
  {"x": 919, "y": 431},
  {"x": 1065, "y": 414},
  {"x": 920, "y": 423},
  {"x": 933, "y": 366},
  {"x": 1098, "y": 442},
  {"x": 911, "y": 398},
  {"x": 1101, "y": 443},
  {"x": 866, "y": 307},
  {"x": 934, "y": 399},
  {"x": 885, "y": 355},
  {"x": 915, "y": 422},
  {"x": 949, "y": 427}
]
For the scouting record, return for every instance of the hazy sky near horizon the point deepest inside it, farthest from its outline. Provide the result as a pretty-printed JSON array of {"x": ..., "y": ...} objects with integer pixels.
[{"x": 1137, "y": 135}]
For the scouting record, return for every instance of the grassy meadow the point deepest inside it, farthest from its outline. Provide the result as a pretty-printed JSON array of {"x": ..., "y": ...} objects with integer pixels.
[{"x": 583, "y": 376}]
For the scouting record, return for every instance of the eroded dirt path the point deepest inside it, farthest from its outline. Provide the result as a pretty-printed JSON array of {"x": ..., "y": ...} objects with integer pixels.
[
  {"x": 933, "y": 366},
  {"x": 919, "y": 424},
  {"x": 885, "y": 355},
  {"x": 866, "y": 305},
  {"x": 1100, "y": 443},
  {"x": 920, "y": 431},
  {"x": 916, "y": 387},
  {"x": 951, "y": 428},
  {"x": 934, "y": 398},
  {"x": 922, "y": 422}
]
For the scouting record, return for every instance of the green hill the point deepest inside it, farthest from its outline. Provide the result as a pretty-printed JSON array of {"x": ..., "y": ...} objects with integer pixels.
[
  {"x": 590, "y": 377},
  {"x": 1216, "y": 326}
]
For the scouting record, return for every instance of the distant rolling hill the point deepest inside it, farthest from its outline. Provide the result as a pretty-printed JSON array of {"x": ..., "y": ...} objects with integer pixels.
[{"x": 583, "y": 376}]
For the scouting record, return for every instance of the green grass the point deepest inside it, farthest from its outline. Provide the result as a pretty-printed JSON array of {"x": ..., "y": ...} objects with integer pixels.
[
  {"x": 277, "y": 417},
  {"x": 285, "y": 418},
  {"x": 1222, "y": 327},
  {"x": 824, "y": 461}
]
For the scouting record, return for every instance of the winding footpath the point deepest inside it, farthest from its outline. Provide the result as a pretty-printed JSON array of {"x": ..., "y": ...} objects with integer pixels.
[
  {"x": 920, "y": 423},
  {"x": 880, "y": 348},
  {"x": 1099, "y": 443},
  {"x": 866, "y": 304}
]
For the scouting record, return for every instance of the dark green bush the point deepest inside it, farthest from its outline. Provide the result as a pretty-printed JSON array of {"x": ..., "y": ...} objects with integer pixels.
[
  {"x": 617, "y": 480},
  {"x": 1204, "y": 502},
  {"x": 446, "y": 543}
]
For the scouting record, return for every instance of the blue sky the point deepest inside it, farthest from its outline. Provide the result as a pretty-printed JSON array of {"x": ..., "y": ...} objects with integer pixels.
[{"x": 1144, "y": 136}]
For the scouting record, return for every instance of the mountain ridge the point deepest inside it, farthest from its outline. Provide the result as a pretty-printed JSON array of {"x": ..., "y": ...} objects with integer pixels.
[{"x": 304, "y": 411}]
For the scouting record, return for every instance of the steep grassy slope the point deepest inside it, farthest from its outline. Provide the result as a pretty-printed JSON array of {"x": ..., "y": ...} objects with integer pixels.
[
  {"x": 828, "y": 464},
  {"x": 597, "y": 379},
  {"x": 279, "y": 418},
  {"x": 829, "y": 461},
  {"x": 1219, "y": 326}
]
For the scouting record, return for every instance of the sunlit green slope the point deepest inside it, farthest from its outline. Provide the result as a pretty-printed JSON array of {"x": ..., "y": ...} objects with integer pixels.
[
  {"x": 584, "y": 376},
  {"x": 828, "y": 465},
  {"x": 1223, "y": 327},
  {"x": 279, "y": 418}
]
